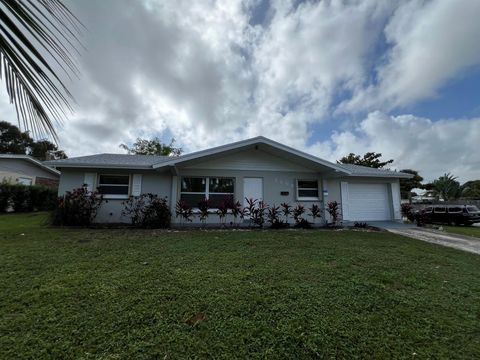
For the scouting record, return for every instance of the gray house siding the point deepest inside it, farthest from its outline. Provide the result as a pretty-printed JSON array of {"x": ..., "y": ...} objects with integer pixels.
[
  {"x": 274, "y": 182},
  {"x": 11, "y": 169},
  {"x": 111, "y": 210}
]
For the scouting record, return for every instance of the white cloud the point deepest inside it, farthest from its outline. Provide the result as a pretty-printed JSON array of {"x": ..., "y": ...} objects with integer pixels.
[
  {"x": 431, "y": 43},
  {"x": 204, "y": 73},
  {"x": 433, "y": 148}
]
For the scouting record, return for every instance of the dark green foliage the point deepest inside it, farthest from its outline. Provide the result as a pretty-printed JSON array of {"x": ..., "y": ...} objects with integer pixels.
[
  {"x": 471, "y": 190},
  {"x": 447, "y": 187},
  {"x": 38, "y": 39},
  {"x": 23, "y": 198},
  {"x": 76, "y": 208},
  {"x": 14, "y": 141},
  {"x": 370, "y": 159},
  {"x": 360, "y": 225},
  {"x": 273, "y": 217},
  {"x": 147, "y": 211},
  {"x": 152, "y": 147},
  {"x": 407, "y": 185},
  {"x": 154, "y": 294}
]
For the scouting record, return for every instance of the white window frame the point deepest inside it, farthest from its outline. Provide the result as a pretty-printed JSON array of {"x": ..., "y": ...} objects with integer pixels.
[
  {"x": 207, "y": 188},
  {"x": 116, "y": 196},
  {"x": 308, "y": 198}
]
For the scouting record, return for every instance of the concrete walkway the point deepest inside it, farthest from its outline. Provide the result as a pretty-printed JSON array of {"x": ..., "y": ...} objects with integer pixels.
[{"x": 461, "y": 242}]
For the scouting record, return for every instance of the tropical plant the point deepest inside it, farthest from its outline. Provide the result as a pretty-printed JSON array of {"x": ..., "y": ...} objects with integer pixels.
[
  {"x": 447, "y": 187},
  {"x": 471, "y": 189},
  {"x": 32, "y": 32},
  {"x": 297, "y": 213},
  {"x": 259, "y": 213},
  {"x": 333, "y": 208},
  {"x": 407, "y": 211},
  {"x": 222, "y": 210},
  {"x": 286, "y": 211},
  {"x": 273, "y": 217},
  {"x": 204, "y": 207},
  {"x": 184, "y": 211},
  {"x": 315, "y": 212},
  {"x": 237, "y": 212}
]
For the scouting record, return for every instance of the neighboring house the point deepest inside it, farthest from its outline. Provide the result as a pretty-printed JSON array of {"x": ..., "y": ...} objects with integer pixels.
[
  {"x": 26, "y": 170},
  {"x": 256, "y": 168}
]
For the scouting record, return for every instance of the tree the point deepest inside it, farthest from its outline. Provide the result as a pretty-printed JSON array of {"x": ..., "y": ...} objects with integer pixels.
[
  {"x": 14, "y": 141},
  {"x": 46, "y": 150},
  {"x": 370, "y": 159},
  {"x": 407, "y": 185},
  {"x": 152, "y": 147},
  {"x": 447, "y": 187},
  {"x": 32, "y": 34},
  {"x": 471, "y": 189}
]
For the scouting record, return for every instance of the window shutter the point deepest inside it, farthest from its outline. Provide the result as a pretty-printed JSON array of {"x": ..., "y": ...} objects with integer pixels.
[
  {"x": 137, "y": 184},
  {"x": 345, "y": 207},
  {"x": 89, "y": 181},
  {"x": 397, "y": 214}
]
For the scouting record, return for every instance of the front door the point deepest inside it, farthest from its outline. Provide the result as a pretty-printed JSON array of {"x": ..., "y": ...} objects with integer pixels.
[{"x": 252, "y": 189}]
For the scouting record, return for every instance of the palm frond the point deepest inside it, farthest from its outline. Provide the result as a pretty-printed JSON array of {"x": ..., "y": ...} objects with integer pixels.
[{"x": 38, "y": 39}]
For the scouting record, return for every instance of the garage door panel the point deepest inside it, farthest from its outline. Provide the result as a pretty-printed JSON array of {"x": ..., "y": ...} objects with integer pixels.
[{"x": 368, "y": 202}]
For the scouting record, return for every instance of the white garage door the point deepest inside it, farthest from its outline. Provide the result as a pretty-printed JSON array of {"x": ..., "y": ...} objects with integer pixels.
[{"x": 368, "y": 202}]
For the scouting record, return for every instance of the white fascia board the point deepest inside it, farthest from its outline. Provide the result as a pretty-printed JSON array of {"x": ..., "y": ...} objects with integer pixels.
[{"x": 253, "y": 141}]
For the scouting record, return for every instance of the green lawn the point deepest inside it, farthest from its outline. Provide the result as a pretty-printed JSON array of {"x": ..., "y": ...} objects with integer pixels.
[
  {"x": 463, "y": 230},
  {"x": 124, "y": 294}
]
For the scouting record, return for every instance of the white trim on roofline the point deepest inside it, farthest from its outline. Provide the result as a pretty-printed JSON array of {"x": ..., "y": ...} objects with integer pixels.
[
  {"x": 32, "y": 160},
  {"x": 248, "y": 142}
]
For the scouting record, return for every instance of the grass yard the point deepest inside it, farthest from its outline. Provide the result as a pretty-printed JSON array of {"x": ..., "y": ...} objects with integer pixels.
[
  {"x": 463, "y": 230},
  {"x": 125, "y": 294}
]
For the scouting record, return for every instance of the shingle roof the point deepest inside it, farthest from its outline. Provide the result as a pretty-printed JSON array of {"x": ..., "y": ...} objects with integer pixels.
[
  {"x": 111, "y": 161},
  {"x": 28, "y": 158},
  {"x": 358, "y": 170}
]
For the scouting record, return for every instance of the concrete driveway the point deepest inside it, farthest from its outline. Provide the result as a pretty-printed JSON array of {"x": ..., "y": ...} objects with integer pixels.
[{"x": 461, "y": 242}]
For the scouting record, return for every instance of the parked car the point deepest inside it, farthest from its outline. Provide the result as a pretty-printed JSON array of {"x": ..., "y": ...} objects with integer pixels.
[{"x": 452, "y": 214}]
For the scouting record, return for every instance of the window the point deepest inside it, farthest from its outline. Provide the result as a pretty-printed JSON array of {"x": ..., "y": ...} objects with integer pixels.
[
  {"x": 307, "y": 189},
  {"x": 428, "y": 209},
  {"x": 454, "y": 209},
  {"x": 439, "y": 209},
  {"x": 472, "y": 208},
  {"x": 114, "y": 186},
  {"x": 195, "y": 189}
]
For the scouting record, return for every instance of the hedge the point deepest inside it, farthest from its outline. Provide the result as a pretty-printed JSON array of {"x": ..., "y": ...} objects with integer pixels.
[{"x": 23, "y": 198}]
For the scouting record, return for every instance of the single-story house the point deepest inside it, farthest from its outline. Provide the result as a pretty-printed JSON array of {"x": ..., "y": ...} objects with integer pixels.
[
  {"x": 26, "y": 170},
  {"x": 256, "y": 168}
]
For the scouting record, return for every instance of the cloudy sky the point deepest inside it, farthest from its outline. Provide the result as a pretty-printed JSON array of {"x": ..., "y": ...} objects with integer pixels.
[{"x": 328, "y": 77}]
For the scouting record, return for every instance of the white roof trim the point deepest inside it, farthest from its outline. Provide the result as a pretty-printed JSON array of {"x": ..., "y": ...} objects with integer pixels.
[
  {"x": 30, "y": 159},
  {"x": 252, "y": 141}
]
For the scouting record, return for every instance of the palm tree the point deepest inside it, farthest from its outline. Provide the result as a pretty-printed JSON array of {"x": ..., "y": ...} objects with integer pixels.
[{"x": 38, "y": 40}]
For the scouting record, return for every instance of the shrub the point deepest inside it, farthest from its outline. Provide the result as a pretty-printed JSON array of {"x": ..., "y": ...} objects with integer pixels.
[
  {"x": 286, "y": 210},
  {"x": 5, "y": 195},
  {"x": 77, "y": 208},
  {"x": 300, "y": 222},
  {"x": 259, "y": 214},
  {"x": 273, "y": 216},
  {"x": 333, "y": 209},
  {"x": 147, "y": 211},
  {"x": 361, "y": 225},
  {"x": 222, "y": 211},
  {"x": 237, "y": 211},
  {"x": 315, "y": 212},
  {"x": 407, "y": 211},
  {"x": 20, "y": 198},
  {"x": 184, "y": 211},
  {"x": 204, "y": 207},
  {"x": 23, "y": 198}
]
